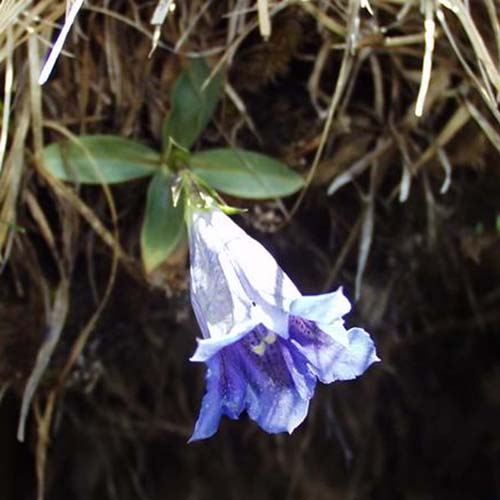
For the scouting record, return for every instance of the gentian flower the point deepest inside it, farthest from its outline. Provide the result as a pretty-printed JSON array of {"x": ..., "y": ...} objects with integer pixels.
[{"x": 264, "y": 343}]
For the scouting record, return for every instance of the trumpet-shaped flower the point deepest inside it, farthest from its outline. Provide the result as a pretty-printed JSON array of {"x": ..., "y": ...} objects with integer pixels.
[{"x": 264, "y": 343}]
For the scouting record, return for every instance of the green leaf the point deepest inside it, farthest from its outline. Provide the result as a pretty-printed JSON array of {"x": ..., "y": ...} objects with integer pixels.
[
  {"x": 100, "y": 159},
  {"x": 163, "y": 223},
  {"x": 192, "y": 107},
  {"x": 245, "y": 174}
]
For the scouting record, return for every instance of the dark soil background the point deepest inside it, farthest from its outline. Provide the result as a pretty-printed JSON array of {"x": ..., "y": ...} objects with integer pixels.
[{"x": 422, "y": 424}]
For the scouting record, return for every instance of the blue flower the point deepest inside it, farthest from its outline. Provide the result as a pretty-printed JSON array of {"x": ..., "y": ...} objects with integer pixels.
[{"x": 264, "y": 343}]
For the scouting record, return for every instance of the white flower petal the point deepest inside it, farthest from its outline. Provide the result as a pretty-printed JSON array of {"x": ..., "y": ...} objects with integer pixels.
[
  {"x": 234, "y": 279},
  {"x": 326, "y": 308}
]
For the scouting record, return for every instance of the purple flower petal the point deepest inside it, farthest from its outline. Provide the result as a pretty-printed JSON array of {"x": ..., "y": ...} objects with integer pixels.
[
  {"x": 263, "y": 374},
  {"x": 279, "y": 383},
  {"x": 224, "y": 396},
  {"x": 336, "y": 355}
]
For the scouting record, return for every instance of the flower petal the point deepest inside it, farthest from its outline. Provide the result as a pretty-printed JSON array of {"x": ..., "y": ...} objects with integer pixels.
[
  {"x": 339, "y": 354},
  {"x": 209, "y": 347},
  {"x": 234, "y": 278},
  {"x": 325, "y": 308},
  {"x": 224, "y": 396},
  {"x": 262, "y": 373},
  {"x": 216, "y": 294},
  {"x": 279, "y": 382}
]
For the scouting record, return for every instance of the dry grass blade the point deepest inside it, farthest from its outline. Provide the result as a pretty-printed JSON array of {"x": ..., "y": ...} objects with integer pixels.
[
  {"x": 56, "y": 317},
  {"x": 10, "y": 180},
  {"x": 367, "y": 228},
  {"x": 41, "y": 220},
  {"x": 44, "y": 422},
  {"x": 264, "y": 19},
  {"x": 61, "y": 38},
  {"x": 328, "y": 22},
  {"x": 240, "y": 106},
  {"x": 3, "y": 389},
  {"x": 35, "y": 96},
  {"x": 365, "y": 4},
  {"x": 313, "y": 84},
  {"x": 55, "y": 324},
  {"x": 493, "y": 15},
  {"x": 187, "y": 32},
  {"x": 490, "y": 131},
  {"x": 360, "y": 166},
  {"x": 340, "y": 86},
  {"x": 476, "y": 40},
  {"x": 163, "y": 7},
  {"x": 160, "y": 13},
  {"x": 481, "y": 86},
  {"x": 405, "y": 184},
  {"x": 365, "y": 242},
  {"x": 9, "y": 79},
  {"x": 445, "y": 162},
  {"x": 456, "y": 123},
  {"x": 231, "y": 50},
  {"x": 9, "y": 10},
  {"x": 430, "y": 29},
  {"x": 88, "y": 214},
  {"x": 89, "y": 327}
]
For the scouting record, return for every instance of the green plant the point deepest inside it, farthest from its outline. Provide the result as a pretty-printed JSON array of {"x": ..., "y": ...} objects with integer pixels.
[{"x": 108, "y": 159}]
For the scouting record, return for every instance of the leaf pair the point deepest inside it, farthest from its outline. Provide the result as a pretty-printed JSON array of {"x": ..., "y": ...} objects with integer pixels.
[{"x": 107, "y": 159}]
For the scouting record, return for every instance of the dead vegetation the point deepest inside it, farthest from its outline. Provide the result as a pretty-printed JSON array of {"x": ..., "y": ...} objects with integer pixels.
[{"x": 389, "y": 108}]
